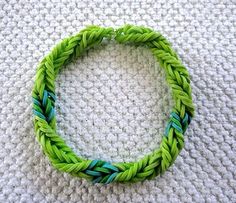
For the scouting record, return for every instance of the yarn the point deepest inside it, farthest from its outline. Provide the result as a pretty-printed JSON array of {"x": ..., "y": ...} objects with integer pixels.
[{"x": 61, "y": 156}]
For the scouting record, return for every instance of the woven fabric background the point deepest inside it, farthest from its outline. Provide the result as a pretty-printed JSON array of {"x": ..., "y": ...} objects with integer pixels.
[{"x": 112, "y": 105}]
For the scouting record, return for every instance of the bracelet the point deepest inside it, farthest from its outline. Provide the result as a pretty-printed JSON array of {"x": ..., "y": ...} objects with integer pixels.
[{"x": 61, "y": 156}]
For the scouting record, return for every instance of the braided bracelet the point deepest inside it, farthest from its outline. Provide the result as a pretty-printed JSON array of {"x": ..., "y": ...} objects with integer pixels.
[{"x": 61, "y": 156}]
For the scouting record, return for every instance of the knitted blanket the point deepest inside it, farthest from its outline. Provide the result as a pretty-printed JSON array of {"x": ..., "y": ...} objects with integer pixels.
[{"x": 113, "y": 102}]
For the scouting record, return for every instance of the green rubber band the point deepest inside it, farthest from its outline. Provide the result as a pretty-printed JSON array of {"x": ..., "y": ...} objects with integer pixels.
[{"x": 61, "y": 156}]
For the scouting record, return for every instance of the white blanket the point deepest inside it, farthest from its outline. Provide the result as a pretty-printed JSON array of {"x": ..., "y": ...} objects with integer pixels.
[{"x": 113, "y": 102}]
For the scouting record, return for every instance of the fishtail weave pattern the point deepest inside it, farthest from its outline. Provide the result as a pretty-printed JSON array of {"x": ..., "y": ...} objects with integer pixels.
[{"x": 98, "y": 171}]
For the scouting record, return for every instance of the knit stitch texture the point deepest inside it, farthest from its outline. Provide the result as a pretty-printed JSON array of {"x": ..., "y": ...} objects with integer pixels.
[{"x": 116, "y": 85}]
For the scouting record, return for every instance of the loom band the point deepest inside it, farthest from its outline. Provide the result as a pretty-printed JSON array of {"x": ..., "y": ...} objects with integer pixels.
[
  {"x": 111, "y": 167},
  {"x": 93, "y": 163},
  {"x": 38, "y": 108},
  {"x": 189, "y": 119},
  {"x": 45, "y": 97},
  {"x": 36, "y": 102},
  {"x": 52, "y": 95},
  {"x": 102, "y": 170},
  {"x": 51, "y": 115},
  {"x": 167, "y": 129},
  {"x": 186, "y": 118},
  {"x": 40, "y": 115},
  {"x": 174, "y": 115},
  {"x": 177, "y": 122},
  {"x": 83, "y": 175},
  {"x": 177, "y": 127},
  {"x": 186, "y": 121},
  {"x": 105, "y": 179},
  {"x": 93, "y": 173},
  {"x": 130, "y": 29},
  {"x": 108, "y": 178},
  {"x": 36, "y": 111},
  {"x": 111, "y": 178}
]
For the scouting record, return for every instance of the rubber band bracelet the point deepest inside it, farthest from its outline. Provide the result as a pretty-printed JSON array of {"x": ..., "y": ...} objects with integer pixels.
[{"x": 61, "y": 156}]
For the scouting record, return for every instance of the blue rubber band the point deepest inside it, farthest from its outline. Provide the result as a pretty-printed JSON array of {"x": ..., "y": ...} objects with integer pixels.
[
  {"x": 39, "y": 114},
  {"x": 179, "y": 129},
  {"x": 45, "y": 96},
  {"x": 36, "y": 102},
  {"x": 109, "y": 166},
  {"x": 93, "y": 163},
  {"x": 111, "y": 178},
  {"x": 51, "y": 115},
  {"x": 93, "y": 173}
]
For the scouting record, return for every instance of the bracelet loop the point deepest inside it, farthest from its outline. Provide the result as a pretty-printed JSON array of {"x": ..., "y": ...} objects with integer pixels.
[{"x": 61, "y": 156}]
